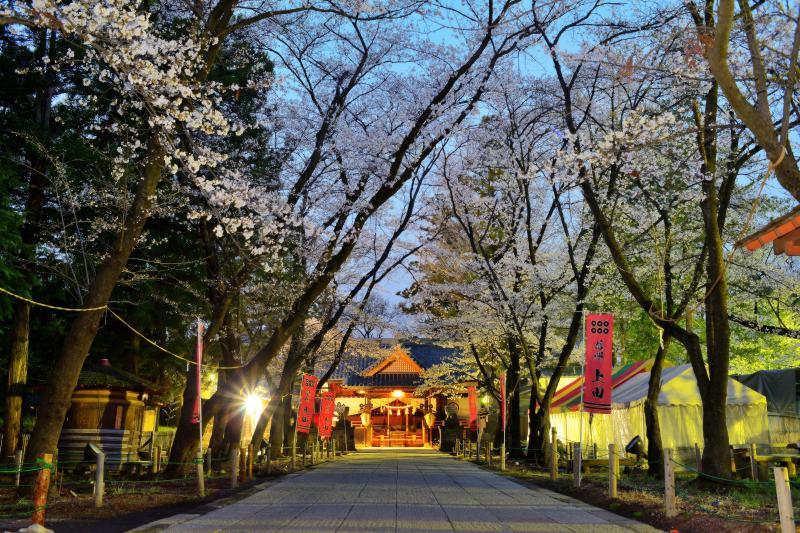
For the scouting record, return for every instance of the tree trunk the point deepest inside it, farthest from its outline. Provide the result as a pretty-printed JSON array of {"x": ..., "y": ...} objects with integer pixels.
[
  {"x": 294, "y": 359},
  {"x": 82, "y": 332},
  {"x": 655, "y": 452},
  {"x": 278, "y": 426},
  {"x": 512, "y": 383},
  {"x": 539, "y": 437},
  {"x": 17, "y": 376},
  {"x": 20, "y": 326}
]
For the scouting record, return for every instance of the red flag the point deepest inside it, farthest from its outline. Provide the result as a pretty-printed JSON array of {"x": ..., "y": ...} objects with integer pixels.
[
  {"x": 326, "y": 408},
  {"x": 598, "y": 369},
  {"x": 503, "y": 399},
  {"x": 473, "y": 407},
  {"x": 199, "y": 364},
  {"x": 305, "y": 411}
]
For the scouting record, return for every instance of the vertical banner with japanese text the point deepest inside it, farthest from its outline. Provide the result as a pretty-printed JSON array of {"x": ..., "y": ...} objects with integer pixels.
[
  {"x": 305, "y": 411},
  {"x": 198, "y": 375},
  {"x": 503, "y": 399},
  {"x": 326, "y": 408},
  {"x": 597, "y": 385},
  {"x": 472, "y": 398}
]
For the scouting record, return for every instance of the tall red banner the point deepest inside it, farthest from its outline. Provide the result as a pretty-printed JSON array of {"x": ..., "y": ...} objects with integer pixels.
[
  {"x": 198, "y": 375},
  {"x": 503, "y": 399},
  {"x": 597, "y": 372},
  {"x": 326, "y": 408},
  {"x": 305, "y": 411},
  {"x": 472, "y": 395}
]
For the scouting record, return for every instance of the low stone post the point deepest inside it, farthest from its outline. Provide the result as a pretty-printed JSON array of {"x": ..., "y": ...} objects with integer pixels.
[
  {"x": 670, "y": 505},
  {"x": 698, "y": 458},
  {"x": 41, "y": 488},
  {"x": 553, "y": 455},
  {"x": 784, "y": 495},
  {"x": 234, "y": 468},
  {"x": 99, "y": 479},
  {"x": 612, "y": 472},
  {"x": 201, "y": 479},
  {"x": 576, "y": 464},
  {"x": 18, "y": 462}
]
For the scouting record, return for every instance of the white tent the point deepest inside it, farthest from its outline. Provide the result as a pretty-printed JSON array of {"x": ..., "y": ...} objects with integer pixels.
[{"x": 680, "y": 414}]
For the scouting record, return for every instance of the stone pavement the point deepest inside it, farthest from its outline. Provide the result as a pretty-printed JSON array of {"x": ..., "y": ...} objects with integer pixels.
[{"x": 402, "y": 490}]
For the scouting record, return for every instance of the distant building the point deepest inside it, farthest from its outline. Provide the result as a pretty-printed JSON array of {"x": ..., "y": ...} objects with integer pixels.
[{"x": 380, "y": 391}]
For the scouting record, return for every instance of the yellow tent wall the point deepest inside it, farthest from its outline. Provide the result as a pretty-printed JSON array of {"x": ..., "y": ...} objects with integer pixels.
[{"x": 680, "y": 414}]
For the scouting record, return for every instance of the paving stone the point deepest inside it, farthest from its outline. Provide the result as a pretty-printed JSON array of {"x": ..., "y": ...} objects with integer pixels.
[{"x": 402, "y": 491}]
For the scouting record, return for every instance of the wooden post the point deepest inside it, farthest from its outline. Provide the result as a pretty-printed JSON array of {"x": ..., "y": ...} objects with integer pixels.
[
  {"x": 152, "y": 450},
  {"x": 576, "y": 464},
  {"x": 553, "y": 455},
  {"x": 753, "y": 463},
  {"x": 698, "y": 458},
  {"x": 784, "y": 494},
  {"x": 18, "y": 462},
  {"x": 201, "y": 480},
  {"x": 234, "y": 468},
  {"x": 250, "y": 459},
  {"x": 99, "y": 479},
  {"x": 612, "y": 472},
  {"x": 670, "y": 505},
  {"x": 41, "y": 488},
  {"x": 305, "y": 451}
]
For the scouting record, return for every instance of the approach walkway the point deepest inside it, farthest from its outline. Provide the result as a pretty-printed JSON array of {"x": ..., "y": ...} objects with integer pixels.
[{"x": 404, "y": 490}]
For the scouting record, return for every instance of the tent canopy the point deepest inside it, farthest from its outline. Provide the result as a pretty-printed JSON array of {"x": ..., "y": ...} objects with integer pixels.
[
  {"x": 569, "y": 397},
  {"x": 679, "y": 387}
]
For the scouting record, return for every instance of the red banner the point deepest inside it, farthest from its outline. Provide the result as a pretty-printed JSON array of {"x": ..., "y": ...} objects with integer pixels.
[
  {"x": 503, "y": 399},
  {"x": 472, "y": 393},
  {"x": 326, "y": 408},
  {"x": 305, "y": 411},
  {"x": 598, "y": 368},
  {"x": 198, "y": 381}
]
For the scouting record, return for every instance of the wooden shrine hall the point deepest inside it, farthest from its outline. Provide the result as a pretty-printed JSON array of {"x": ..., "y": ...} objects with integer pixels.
[{"x": 381, "y": 395}]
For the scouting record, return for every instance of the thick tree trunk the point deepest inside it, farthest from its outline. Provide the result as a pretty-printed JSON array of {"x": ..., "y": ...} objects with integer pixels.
[
  {"x": 539, "y": 438},
  {"x": 294, "y": 359},
  {"x": 278, "y": 426},
  {"x": 82, "y": 332},
  {"x": 17, "y": 377},
  {"x": 18, "y": 351},
  {"x": 655, "y": 452},
  {"x": 514, "y": 444}
]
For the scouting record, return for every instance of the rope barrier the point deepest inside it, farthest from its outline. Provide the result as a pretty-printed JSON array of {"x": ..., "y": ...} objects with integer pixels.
[{"x": 122, "y": 320}]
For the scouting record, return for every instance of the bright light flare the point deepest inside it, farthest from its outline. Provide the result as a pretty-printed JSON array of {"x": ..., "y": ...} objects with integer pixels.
[
  {"x": 398, "y": 394},
  {"x": 253, "y": 406}
]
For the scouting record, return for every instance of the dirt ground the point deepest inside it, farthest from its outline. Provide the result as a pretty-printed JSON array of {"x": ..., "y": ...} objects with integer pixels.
[
  {"x": 700, "y": 511},
  {"x": 127, "y": 503}
]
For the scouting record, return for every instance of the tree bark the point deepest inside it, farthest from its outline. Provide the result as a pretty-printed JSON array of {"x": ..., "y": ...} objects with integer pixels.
[
  {"x": 655, "y": 451},
  {"x": 17, "y": 377},
  {"x": 20, "y": 326},
  {"x": 64, "y": 377},
  {"x": 512, "y": 382}
]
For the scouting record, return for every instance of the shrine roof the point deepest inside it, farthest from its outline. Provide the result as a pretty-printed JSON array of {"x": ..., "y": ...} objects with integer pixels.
[
  {"x": 384, "y": 380},
  {"x": 783, "y": 233}
]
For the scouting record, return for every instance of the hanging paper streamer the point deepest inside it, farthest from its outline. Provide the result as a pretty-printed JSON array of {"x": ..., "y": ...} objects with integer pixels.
[
  {"x": 597, "y": 374},
  {"x": 198, "y": 377},
  {"x": 326, "y": 408},
  {"x": 472, "y": 394},
  {"x": 503, "y": 399},
  {"x": 305, "y": 411}
]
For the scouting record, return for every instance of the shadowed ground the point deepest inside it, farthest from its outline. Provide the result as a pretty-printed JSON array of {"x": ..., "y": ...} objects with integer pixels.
[{"x": 401, "y": 490}]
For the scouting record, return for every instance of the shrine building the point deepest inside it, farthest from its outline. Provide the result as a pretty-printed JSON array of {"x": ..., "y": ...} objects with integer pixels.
[{"x": 380, "y": 391}]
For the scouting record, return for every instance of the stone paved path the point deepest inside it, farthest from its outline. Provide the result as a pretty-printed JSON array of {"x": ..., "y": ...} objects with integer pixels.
[{"x": 404, "y": 490}]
